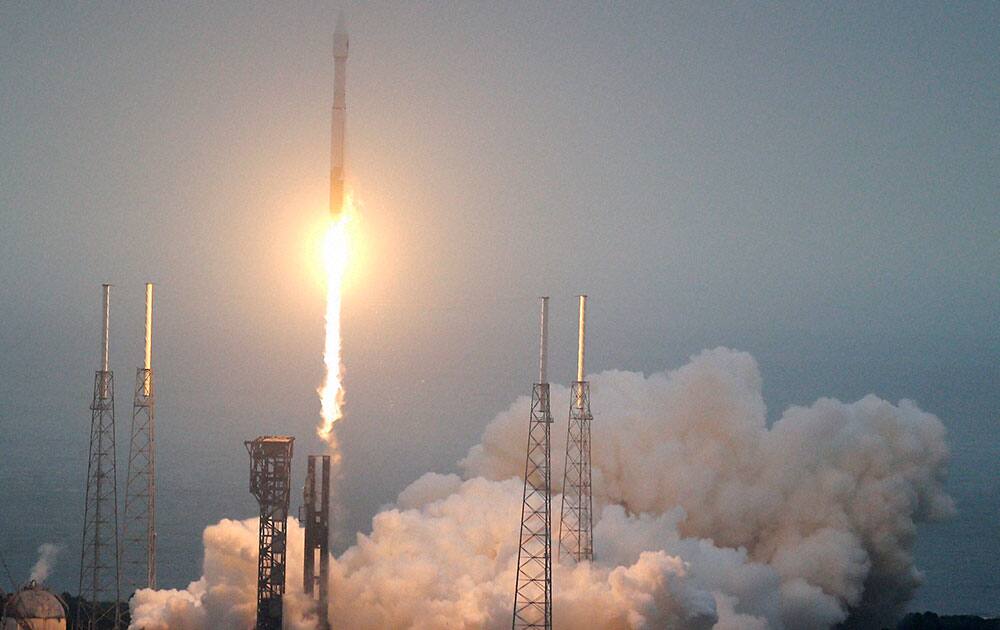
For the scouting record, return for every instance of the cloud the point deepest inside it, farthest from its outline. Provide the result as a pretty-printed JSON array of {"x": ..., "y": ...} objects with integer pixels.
[{"x": 705, "y": 518}]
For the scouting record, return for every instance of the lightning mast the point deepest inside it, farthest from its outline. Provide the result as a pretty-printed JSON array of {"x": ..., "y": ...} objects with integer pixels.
[
  {"x": 533, "y": 590},
  {"x": 576, "y": 527},
  {"x": 270, "y": 483},
  {"x": 99, "y": 570},
  {"x": 139, "y": 527}
]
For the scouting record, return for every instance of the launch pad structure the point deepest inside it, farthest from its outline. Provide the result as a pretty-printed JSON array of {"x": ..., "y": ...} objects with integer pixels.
[
  {"x": 270, "y": 483},
  {"x": 139, "y": 520},
  {"x": 576, "y": 527},
  {"x": 99, "y": 569},
  {"x": 533, "y": 590},
  {"x": 316, "y": 519}
]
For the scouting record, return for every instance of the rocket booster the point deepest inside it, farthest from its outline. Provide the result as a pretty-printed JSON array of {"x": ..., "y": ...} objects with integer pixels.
[{"x": 339, "y": 118}]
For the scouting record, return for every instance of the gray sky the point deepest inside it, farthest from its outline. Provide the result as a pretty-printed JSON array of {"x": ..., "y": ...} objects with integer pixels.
[{"x": 814, "y": 183}]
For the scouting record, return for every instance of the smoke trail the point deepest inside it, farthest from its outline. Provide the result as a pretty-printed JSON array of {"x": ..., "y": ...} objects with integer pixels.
[
  {"x": 47, "y": 553},
  {"x": 706, "y": 517},
  {"x": 336, "y": 249}
]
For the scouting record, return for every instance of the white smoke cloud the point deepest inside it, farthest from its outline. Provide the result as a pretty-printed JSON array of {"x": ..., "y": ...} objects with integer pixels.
[
  {"x": 225, "y": 596},
  {"x": 41, "y": 570},
  {"x": 706, "y": 518}
]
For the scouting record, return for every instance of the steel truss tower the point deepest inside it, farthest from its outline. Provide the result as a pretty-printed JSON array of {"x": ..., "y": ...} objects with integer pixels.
[
  {"x": 99, "y": 570},
  {"x": 270, "y": 483},
  {"x": 139, "y": 527},
  {"x": 576, "y": 527},
  {"x": 316, "y": 517},
  {"x": 533, "y": 590}
]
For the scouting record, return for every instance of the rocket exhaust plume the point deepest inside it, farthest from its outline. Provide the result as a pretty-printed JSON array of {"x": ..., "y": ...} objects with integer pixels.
[
  {"x": 336, "y": 246},
  {"x": 335, "y": 252}
]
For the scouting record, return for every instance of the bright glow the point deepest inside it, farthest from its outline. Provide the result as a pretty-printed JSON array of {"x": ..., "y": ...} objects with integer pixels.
[{"x": 336, "y": 250}]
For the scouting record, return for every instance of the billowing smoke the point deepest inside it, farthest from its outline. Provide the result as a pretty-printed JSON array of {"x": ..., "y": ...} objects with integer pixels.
[
  {"x": 706, "y": 518},
  {"x": 47, "y": 553}
]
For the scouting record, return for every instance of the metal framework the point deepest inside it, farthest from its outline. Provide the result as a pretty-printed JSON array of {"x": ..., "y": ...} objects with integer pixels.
[
  {"x": 316, "y": 517},
  {"x": 576, "y": 526},
  {"x": 270, "y": 483},
  {"x": 99, "y": 568},
  {"x": 576, "y": 529},
  {"x": 533, "y": 590},
  {"x": 139, "y": 526}
]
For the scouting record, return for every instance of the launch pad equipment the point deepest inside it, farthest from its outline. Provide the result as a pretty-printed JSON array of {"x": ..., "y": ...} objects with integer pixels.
[
  {"x": 576, "y": 527},
  {"x": 270, "y": 483},
  {"x": 533, "y": 590},
  {"x": 316, "y": 518},
  {"x": 99, "y": 570}
]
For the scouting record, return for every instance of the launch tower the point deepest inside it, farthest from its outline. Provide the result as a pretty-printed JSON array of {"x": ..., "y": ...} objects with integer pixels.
[
  {"x": 316, "y": 518},
  {"x": 576, "y": 528},
  {"x": 533, "y": 590},
  {"x": 270, "y": 483},
  {"x": 99, "y": 570},
  {"x": 139, "y": 527}
]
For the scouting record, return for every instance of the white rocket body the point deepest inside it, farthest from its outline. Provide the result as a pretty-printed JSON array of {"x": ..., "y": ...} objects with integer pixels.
[{"x": 339, "y": 118}]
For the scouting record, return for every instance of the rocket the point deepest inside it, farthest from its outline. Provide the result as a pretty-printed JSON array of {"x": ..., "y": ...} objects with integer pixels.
[{"x": 339, "y": 118}]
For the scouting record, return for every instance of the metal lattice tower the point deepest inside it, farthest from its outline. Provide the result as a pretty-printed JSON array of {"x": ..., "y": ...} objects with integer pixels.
[
  {"x": 576, "y": 527},
  {"x": 270, "y": 483},
  {"x": 533, "y": 590},
  {"x": 316, "y": 517},
  {"x": 139, "y": 526},
  {"x": 99, "y": 569}
]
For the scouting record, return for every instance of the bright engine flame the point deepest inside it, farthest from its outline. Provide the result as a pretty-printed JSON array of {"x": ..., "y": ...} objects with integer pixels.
[{"x": 336, "y": 247}]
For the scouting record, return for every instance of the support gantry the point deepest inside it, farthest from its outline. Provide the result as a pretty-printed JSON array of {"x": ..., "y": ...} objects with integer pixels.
[
  {"x": 316, "y": 519},
  {"x": 270, "y": 483}
]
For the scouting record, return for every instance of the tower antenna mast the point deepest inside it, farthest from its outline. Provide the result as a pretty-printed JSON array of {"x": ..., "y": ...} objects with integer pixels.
[
  {"x": 139, "y": 527},
  {"x": 100, "y": 574},
  {"x": 533, "y": 590},
  {"x": 576, "y": 527}
]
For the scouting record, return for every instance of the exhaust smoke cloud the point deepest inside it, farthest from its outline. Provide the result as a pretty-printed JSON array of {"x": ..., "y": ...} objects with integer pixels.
[
  {"x": 41, "y": 570},
  {"x": 705, "y": 518}
]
